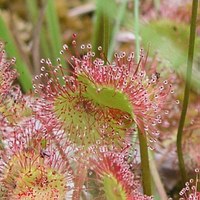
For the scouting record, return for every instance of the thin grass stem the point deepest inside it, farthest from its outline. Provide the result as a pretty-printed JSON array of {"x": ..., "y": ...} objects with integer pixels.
[{"x": 187, "y": 90}]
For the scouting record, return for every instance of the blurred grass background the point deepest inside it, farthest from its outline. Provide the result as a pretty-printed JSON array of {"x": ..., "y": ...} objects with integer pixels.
[{"x": 37, "y": 29}]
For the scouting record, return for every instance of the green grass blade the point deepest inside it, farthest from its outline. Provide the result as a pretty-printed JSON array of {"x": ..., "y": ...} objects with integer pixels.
[
  {"x": 105, "y": 14},
  {"x": 136, "y": 29},
  {"x": 53, "y": 28},
  {"x": 35, "y": 16},
  {"x": 119, "y": 19},
  {"x": 25, "y": 78},
  {"x": 156, "y": 178},
  {"x": 33, "y": 10}
]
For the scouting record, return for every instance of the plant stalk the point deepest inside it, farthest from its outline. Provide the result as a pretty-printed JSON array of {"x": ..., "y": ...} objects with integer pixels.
[
  {"x": 187, "y": 90},
  {"x": 146, "y": 174}
]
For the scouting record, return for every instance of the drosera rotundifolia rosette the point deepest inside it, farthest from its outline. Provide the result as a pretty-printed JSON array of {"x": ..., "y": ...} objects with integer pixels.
[
  {"x": 32, "y": 167},
  {"x": 98, "y": 102},
  {"x": 14, "y": 106},
  {"x": 115, "y": 177}
]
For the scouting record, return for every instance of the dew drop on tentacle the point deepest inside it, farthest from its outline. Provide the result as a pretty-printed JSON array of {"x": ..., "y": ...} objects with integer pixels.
[
  {"x": 74, "y": 35},
  {"x": 89, "y": 46},
  {"x": 13, "y": 60},
  {"x": 36, "y": 77},
  {"x": 161, "y": 88},
  {"x": 165, "y": 82},
  {"x": 166, "y": 112},
  {"x": 93, "y": 54},
  {"x": 197, "y": 170},
  {"x": 42, "y": 68},
  {"x": 191, "y": 180},
  {"x": 99, "y": 48},
  {"x": 74, "y": 43},
  {"x": 42, "y": 61},
  {"x": 82, "y": 46},
  {"x": 58, "y": 60},
  {"x": 65, "y": 47}
]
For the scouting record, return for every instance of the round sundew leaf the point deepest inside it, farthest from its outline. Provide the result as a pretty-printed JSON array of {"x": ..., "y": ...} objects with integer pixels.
[
  {"x": 106, "y": 96},
  {"x": 112, "y": 188},
  {"x": 78, "y": 117},
  {"x": 88, "y": 122},
  {"x": 34, "y": 180},
  {"x": 54, "y": 180}
]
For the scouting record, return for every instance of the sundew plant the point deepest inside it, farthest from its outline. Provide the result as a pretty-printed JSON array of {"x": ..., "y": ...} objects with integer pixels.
[{"x": 99, "y": 100}]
